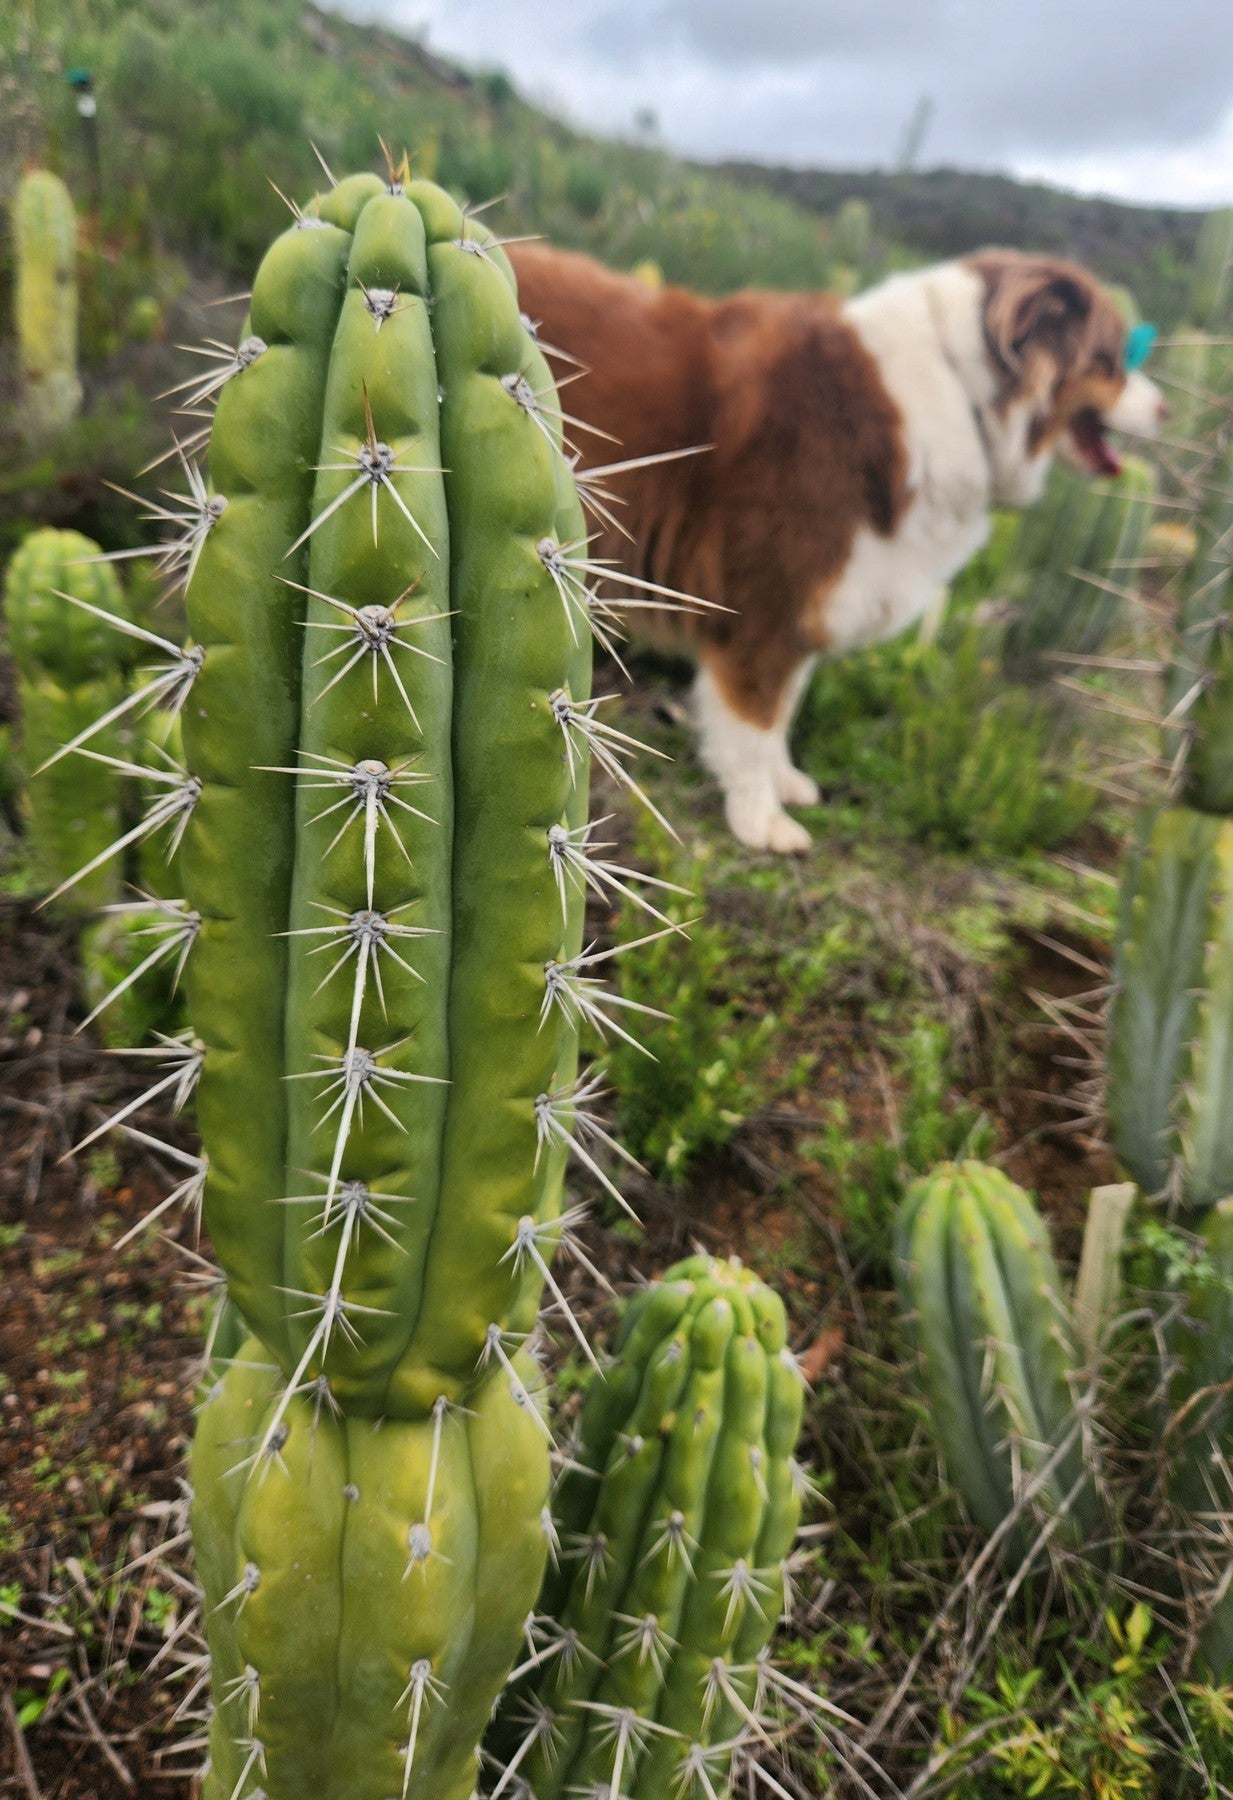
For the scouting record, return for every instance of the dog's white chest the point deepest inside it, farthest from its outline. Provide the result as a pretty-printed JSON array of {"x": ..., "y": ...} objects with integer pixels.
[{"x": 888, "y": 583}]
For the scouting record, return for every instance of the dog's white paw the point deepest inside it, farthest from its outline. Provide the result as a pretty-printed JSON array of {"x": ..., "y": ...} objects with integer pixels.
[
  {"x": 795, "y": 788},
  {"x": 762, "y": 825}
]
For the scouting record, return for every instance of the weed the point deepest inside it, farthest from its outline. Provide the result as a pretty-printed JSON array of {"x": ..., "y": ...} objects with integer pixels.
[
  {"x": 57, "y": 1262},
  {"x": 706, "y": 1066},
  {"x": 103, "y": 1169},
  {"x": 1095, "y": 1742},
  {"x": 933, "y": 738},
  {"x": 929, "y": 1128},
  {"x": 32, "y": 1703}
]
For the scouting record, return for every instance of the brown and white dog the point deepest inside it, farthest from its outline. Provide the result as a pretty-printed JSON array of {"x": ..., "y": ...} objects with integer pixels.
[{"x": 855, "y": 452}]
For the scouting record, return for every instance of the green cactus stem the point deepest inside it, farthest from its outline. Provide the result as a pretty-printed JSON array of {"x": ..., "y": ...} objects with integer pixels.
[
  {"x": 1200, "y": 1437},
  {"x": 45, "y": 303},
  {"x": 1200, "y": 694},
  {"x": 387, "y": 726},
  {"x": 1208, "y": 301},
  {"x": 851, "y": 233},
  {"x": 70, "y": 672},
  {"x": 1083, "y": 534},
  {"x": 354, "y": 1655},
  {"x": 979, "y": 1284},
  {"x": 1171, "y": 1023},
  {"x": 671, "y": 1571}
]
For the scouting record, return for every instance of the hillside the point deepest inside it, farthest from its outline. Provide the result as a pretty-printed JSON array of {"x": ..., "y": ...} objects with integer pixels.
[
  {"x": 202, "y": 104},
  {"x": 208, "y": 112},
  {"x": 945, "y": 212}
]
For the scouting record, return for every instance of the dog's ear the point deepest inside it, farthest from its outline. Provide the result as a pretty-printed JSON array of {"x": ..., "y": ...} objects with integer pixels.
[{"x": 1030, "y": 304}]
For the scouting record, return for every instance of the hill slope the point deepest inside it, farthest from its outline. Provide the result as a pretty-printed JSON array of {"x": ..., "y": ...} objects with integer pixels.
[{"x": 945, "y": 212}]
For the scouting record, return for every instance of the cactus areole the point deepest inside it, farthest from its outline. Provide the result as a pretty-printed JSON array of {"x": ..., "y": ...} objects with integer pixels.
[{"x": 385, "y": 744}]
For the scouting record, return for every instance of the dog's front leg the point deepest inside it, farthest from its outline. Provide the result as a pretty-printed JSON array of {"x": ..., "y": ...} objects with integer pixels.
[{"x": 743, "y": 741}]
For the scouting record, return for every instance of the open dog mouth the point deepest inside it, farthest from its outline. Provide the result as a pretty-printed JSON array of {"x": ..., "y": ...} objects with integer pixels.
[{"x": 1087, "y": 435}]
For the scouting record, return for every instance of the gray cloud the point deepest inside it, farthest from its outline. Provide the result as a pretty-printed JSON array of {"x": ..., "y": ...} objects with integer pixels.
[{"x": 1013, "y": 82}]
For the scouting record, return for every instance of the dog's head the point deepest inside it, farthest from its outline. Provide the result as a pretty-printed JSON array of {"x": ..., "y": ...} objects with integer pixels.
[{"x": 1057, "y": 345}]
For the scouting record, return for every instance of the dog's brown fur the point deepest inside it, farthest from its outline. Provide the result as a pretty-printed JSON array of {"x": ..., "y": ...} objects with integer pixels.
[
  {"x": 1050, "y": 330},
  {"x": 806, "y": 446},
  {"x": 803, "y": 445}
]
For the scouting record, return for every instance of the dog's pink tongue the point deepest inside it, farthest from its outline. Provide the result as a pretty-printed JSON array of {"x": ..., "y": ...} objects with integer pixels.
[
  {"x": 1094, "y": 446},
  {"x": 1109, "y": 462}
]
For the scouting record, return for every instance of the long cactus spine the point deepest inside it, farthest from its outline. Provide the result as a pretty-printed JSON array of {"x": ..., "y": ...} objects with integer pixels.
[
  {"x": 45, "y": 303},
  {"x": 387, "y": 724}
]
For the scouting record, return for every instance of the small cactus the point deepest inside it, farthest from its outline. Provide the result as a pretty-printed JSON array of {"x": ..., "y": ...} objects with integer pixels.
[
  {"x": 1200, "y": 1437},
  {"x": 45, "y": 303},
  {"x": 979, "y": 1284},
  {"x": 70, "y": 672},
  {"x": 671, "y": 1574}
]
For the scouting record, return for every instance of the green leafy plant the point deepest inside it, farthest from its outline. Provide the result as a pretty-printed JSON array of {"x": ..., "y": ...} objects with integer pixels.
[
  {"x": 710, "y": 1049},
  {"x": 934, "y": 739},
  {"x": 872, "y": 1175}
]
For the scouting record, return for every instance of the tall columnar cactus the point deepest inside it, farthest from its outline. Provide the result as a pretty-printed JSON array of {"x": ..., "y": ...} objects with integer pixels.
[
  {"x": 1071, "y": 553},
  {"x": 1208, "y": 302},
  {"x": 672, "y": 1563},
  {"x": 1200, "y": 1439},
  {"x": 387, "y": 726},
  {"x": 70, "y": 672},
  {"x": 1170, "y": 1063},
  {"x": 1170, "y": 1047},
  {"x": 45, "y": 303},
  {"x": 851, "y": 233},
  {"x": 979, "y": 1283}
]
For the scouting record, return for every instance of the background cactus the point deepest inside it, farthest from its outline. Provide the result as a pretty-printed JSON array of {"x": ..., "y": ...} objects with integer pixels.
[
  {"x": 70, "y": 672},
  {"x": 382, "y": 811},
  {"x": 45, "y": 303},
  {"x": 1168, "y": 1058},
  {"x": 852, "y": 232},
  {"x": 1081, "y": 534},
  {"x": 978, "y": 1281},
  {"x": 671, "y": 1572},
  {"x": 1213, "y": 269}
]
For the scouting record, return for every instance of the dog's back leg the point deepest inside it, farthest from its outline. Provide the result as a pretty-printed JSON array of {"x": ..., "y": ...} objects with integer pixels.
[{"x": 743, "y": 715}]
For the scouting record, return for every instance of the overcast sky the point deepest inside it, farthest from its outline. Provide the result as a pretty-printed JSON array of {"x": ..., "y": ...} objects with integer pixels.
[{"x": 1126, "y": 97}]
